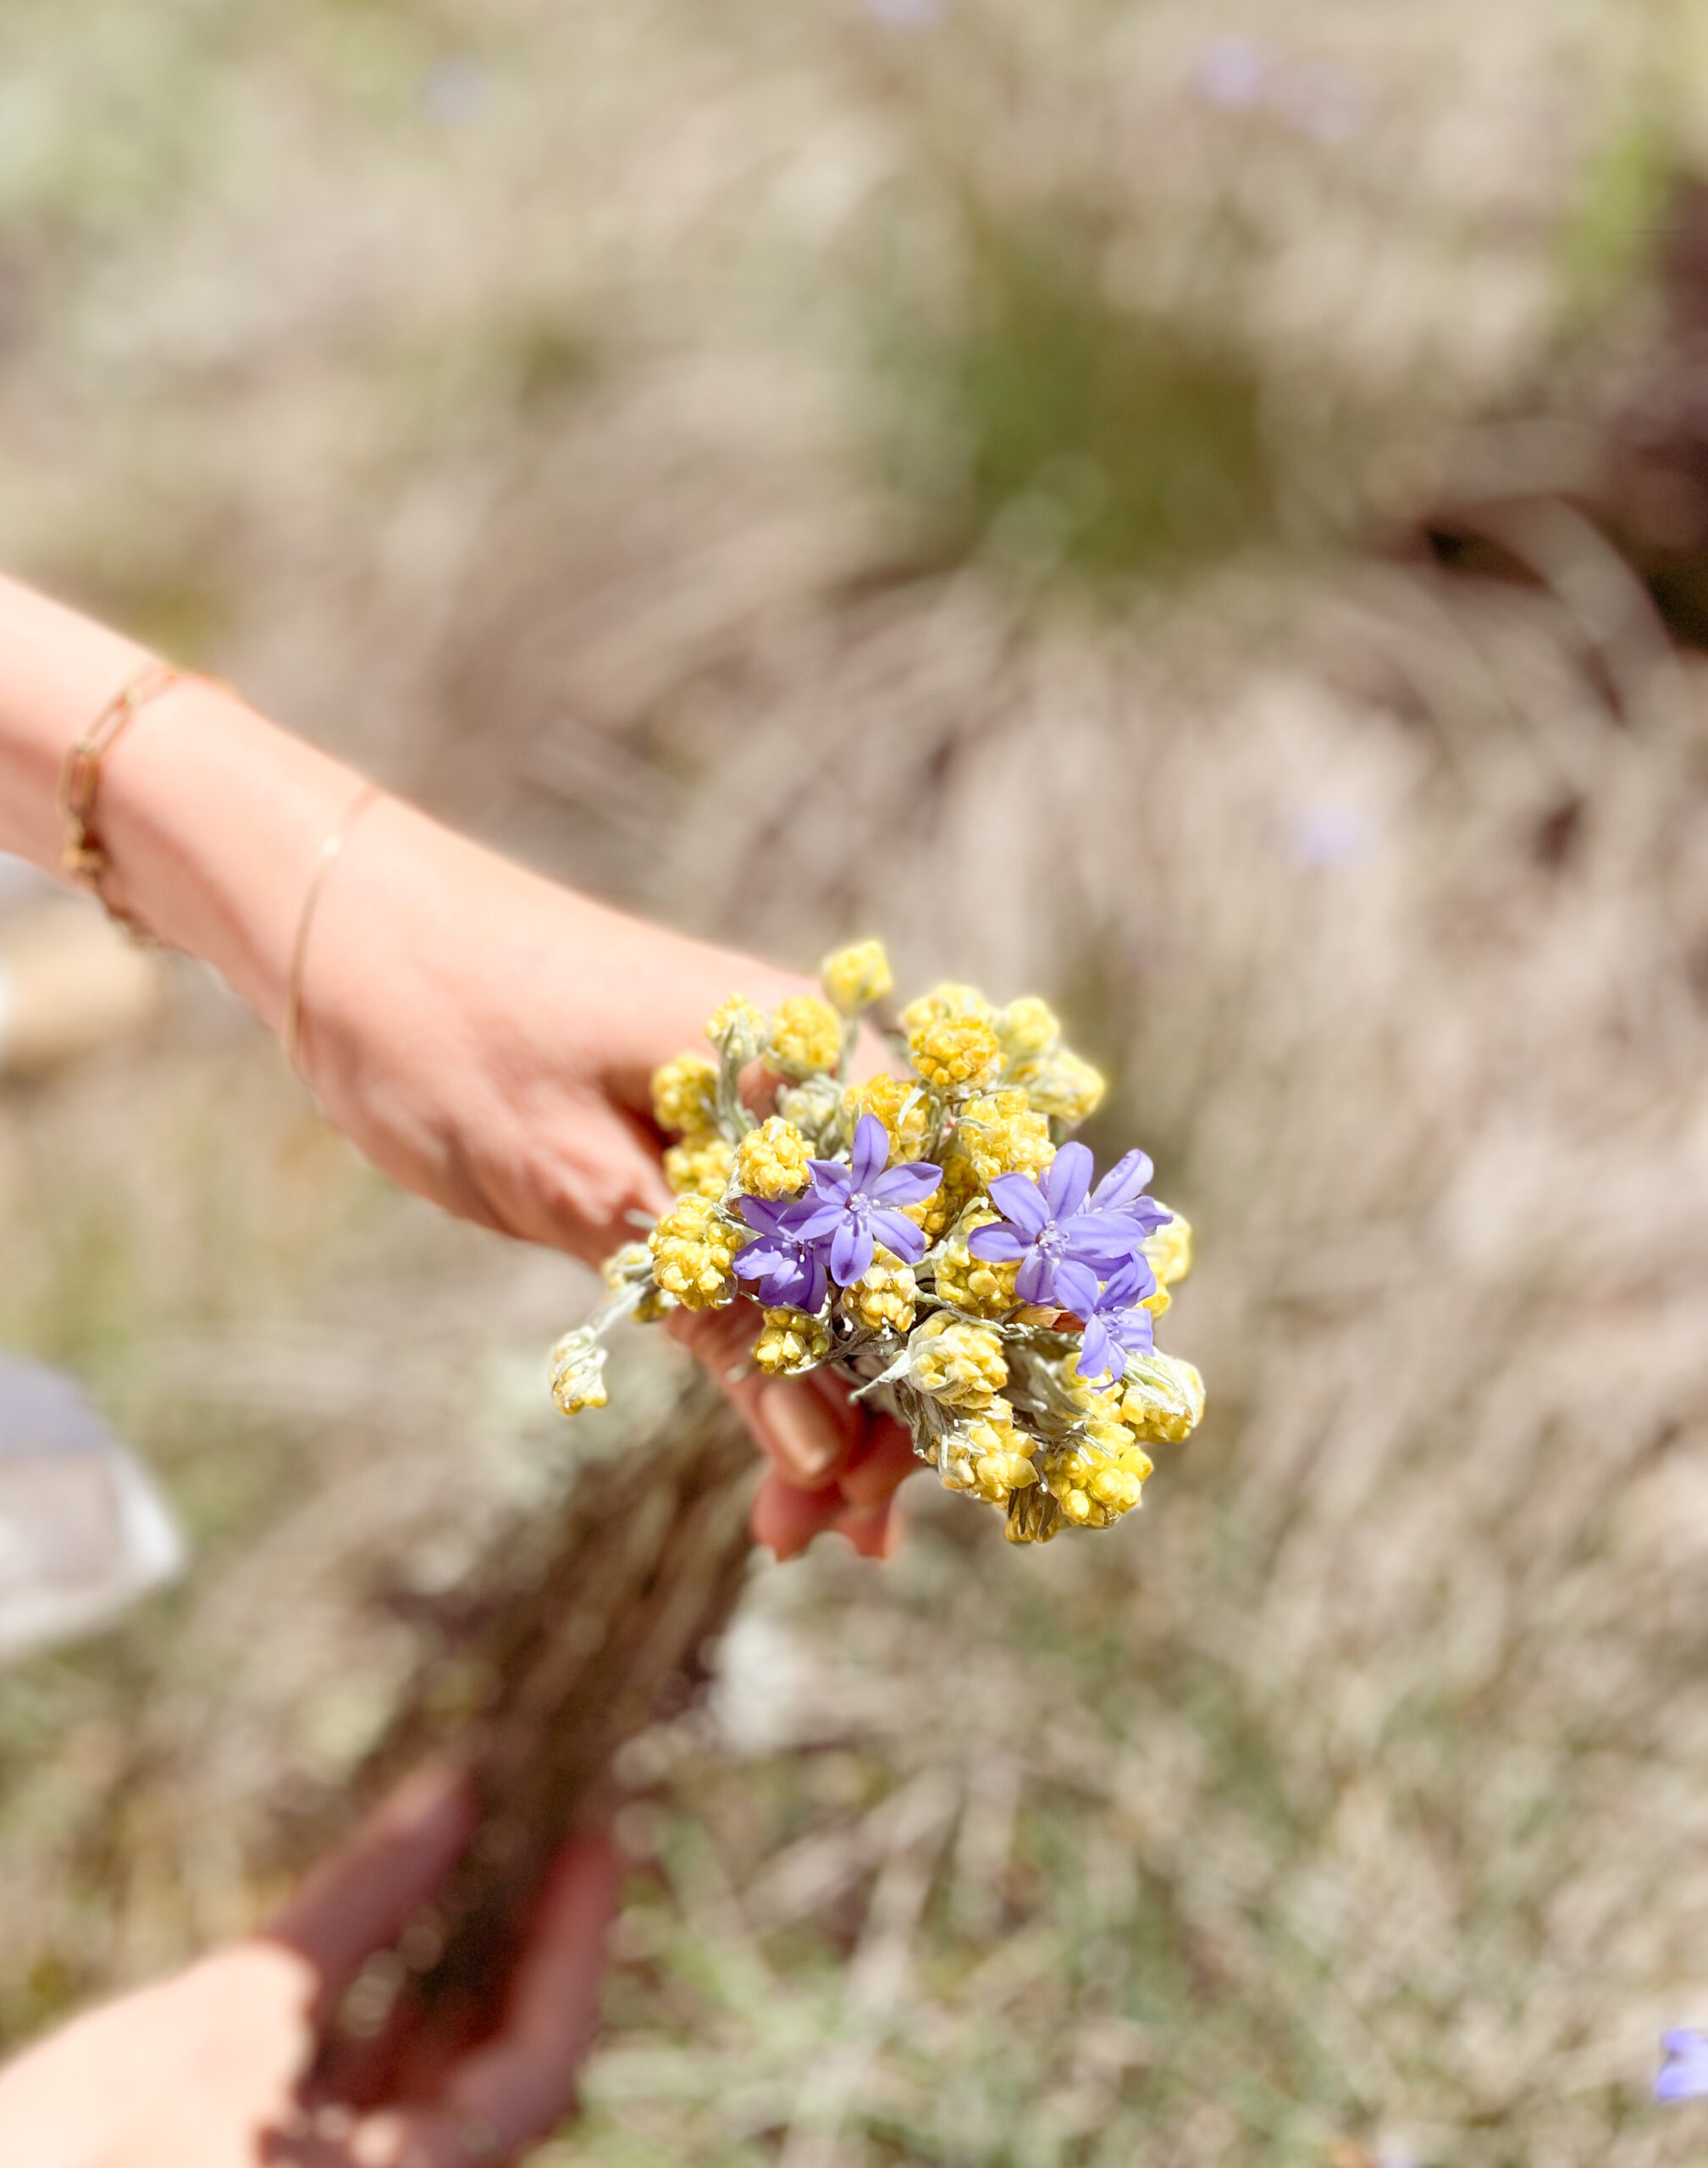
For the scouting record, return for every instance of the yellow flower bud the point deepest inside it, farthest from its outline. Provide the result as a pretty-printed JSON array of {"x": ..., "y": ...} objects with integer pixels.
[
  {"x": 882, "y": 1298},
  {"x": 943, "y": 1002},
  {"x": 737, "y": 1028},
  {"x": 1026, "y": 1029},
  {"x": 805, "y": 1036},
  {"x": 1162, "y": 1399},
  {"x": 900, "y": 1104},
  {"x": 856, "y": 977},
  {"x": 790, "y": 1342},
  {"x": 957, "y": 1362},
  {"x": 955, "y": 1054},
  {"x": 684, "y": 1095},
  {"x": 948, "y": 1201},
  {"x": 700, "y": 1166},
  {"x": 1034, "y": 1516},
  {"x": 1062, "y": 1085},
  {"x": 1001, "y": 1134},
  {"x": 1169, "y": 1251},
  {"x": 694, "y": 1251},
  {"x": 968, "y": 1282},
  {"x": 771, "y": 1160},
  {"x": 578, "y": 1372}
]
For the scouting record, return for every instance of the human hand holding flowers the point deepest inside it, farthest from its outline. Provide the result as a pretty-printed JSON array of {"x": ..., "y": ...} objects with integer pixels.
[{"x": 928, "y": 1239}]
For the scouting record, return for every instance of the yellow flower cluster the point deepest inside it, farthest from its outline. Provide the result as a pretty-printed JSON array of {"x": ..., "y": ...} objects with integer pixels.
[
  {"x": 1025, "y": 1029},
  {"x": 899, "y": 1105},
  {"x": 1092, "y": 1485},
  {"x": 856, "y": 977},
  {"x": 968, "y": 1282},
  {"x": 1169, "y": 1251},
  {"x": 694, "y": 1252},
  {"x": 985, "y": 1454},
  {"x": 955, "y": 1054},
  {"x": 805, "y": 1036},
  {"x": 1001, "y": 1133},
  {"x": 684, "y": 1095},
  {"x": 957, "y": 1362},
  {"x": 948, "y": 1201},
  {"x": 771, "y": 1160},
  {"x": 578, "y": 1372},
  {"x": 1062, "y": 1085},
  {"x": 739, "y": 1025},
  {"x": 882, "y": 1298},
  {"x": 791, "y": 1341},
  {"x": 1162, "y": 1399},
  {"x": 699, "y": 1165}
]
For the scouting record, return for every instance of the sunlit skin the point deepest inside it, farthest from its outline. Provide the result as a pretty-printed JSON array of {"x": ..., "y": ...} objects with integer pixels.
[
  {"x": 487, "y": 1037},
  {"x": 484, "y": 1035}
]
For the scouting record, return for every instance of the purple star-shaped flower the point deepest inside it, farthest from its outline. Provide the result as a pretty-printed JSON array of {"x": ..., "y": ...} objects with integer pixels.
[
  {"x": 1064, "y": 1246},
  {"x": 848, "y": 1211},
  {"x": 787, "y": 1271},
  {"x": 1117, "y": 1327},
  {"x": 1684, "y": 2069},
  {"x": 1122, "y": 1190}
]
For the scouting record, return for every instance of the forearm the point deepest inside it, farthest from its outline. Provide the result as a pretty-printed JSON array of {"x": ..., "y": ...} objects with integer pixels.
[{"x": 211, "y": 817}]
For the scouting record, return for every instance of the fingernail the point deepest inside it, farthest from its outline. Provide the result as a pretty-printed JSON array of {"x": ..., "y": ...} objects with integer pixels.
[{"x": 800, "y": 1426}]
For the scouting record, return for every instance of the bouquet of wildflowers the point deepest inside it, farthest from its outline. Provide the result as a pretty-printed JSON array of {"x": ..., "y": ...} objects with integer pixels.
[{"x": 933, "y": 1236}]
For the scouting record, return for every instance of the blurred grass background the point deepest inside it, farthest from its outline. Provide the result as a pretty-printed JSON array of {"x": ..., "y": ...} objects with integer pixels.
[{"x": 1111, "y": 497}]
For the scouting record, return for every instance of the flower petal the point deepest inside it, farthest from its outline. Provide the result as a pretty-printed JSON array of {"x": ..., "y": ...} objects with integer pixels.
[
  {"x": 1032, "y": 1282},
  {"x": 1147, "y": 1214},
  {"x": 761, "y": 1212},
  {"x": 1066, "y": 1179},
  {"x": 899, "y": 1234},
  {"x": 871, "y": 1152},
  {"x": 1094, "y": 1352},
  {"x": 811, "y": 1219},
  {"x": 850, "y": 1251},
  {"x": 997, "y": 1245},
  {"x": 1105, "y": 1239},
  {"x": 829, "y": 1178},
  {"x": 906, "y": 1185},
  {"x": 1122, "y": 1182},
  {"x": 1134, "y": 1330},
  {"x": 1018, "y": 1198},
  {"x": 1075, "y": 1287}
]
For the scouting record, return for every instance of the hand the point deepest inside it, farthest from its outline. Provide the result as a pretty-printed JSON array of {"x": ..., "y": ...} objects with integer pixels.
[
  {"x": 206, "y": 2070},
  {"x": 488, "y": 1039}
]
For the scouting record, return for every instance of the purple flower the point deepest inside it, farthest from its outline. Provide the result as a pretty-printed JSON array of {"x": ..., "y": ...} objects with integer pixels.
[
  {"x": 848, "y": 1211},
  {"x": 1064, "y": 1248},
  {"x": 785, "y": 1270},
  {"x": 1684, "y": 2071},
  {"x": 1122, "y": 1190},
  {"x": 1116, "y": 1326}
]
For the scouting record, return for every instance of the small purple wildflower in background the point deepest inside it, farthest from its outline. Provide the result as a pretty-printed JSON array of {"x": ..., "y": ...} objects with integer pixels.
[
  {"x": 785, "y": 1270},
  {"x": 1684, "y": 2073},
  {"x": 1116, "y": 1327},
  {"x": 848, "y": 1211},
  {"x": 1063, "y": 1246}
]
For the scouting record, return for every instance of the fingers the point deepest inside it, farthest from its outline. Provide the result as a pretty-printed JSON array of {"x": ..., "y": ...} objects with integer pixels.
[
  {"x": 363, "y": 1895},
  {"x": 806, "y": 1426},
  {"x": 880, "y": 1464},
  {"x": 834, "y": 1465},
  {"x": 521, "y": 2084}
]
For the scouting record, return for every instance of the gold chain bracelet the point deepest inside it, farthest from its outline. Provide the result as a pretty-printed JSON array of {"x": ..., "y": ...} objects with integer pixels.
[{"x": 84, "y": 857}]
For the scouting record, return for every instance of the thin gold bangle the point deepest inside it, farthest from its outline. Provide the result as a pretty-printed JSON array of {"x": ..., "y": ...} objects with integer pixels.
[
  {"x": 84, "y": 857},
  {"x": 331, "y": 850}
]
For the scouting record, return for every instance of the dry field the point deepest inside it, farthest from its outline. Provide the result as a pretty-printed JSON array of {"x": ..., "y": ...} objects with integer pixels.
[{"x": 806, "y": 472}]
